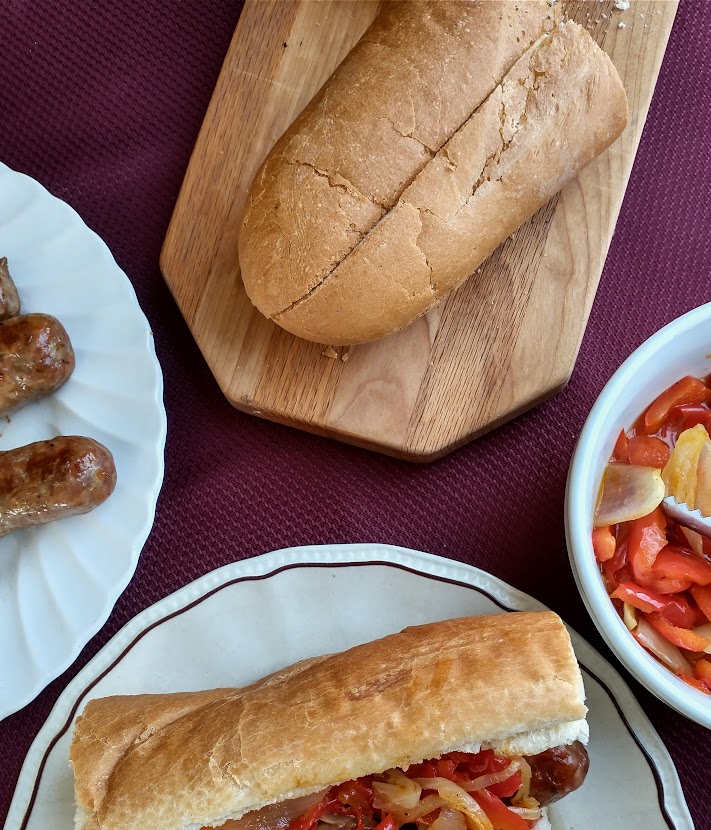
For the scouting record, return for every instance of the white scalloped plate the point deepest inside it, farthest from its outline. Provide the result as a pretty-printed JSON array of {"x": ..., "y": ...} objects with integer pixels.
[
  {"x": 248, "y": 619},
  {"x": 59, "y": 582}
]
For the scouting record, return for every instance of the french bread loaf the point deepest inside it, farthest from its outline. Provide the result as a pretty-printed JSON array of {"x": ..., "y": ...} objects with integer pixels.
[
  {"x": 180, "y": 762},
  {"x": 446, "y": 127}
]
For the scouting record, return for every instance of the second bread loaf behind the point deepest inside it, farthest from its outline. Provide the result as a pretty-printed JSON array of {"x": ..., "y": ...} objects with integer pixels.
[
  {"x": 350, "y": 234},
  {"x": 413, "y": 79}
]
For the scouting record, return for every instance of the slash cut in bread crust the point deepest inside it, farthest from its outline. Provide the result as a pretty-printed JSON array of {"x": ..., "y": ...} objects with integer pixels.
[
  {"x": 445, "y": 128},
  {"x": 180, "y": 762}
]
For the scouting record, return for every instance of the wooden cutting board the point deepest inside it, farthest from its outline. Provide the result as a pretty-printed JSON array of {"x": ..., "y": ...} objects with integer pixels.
[{"x": 505, "y": 341}]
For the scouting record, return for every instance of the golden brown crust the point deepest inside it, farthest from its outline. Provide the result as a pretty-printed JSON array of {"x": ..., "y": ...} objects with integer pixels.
[
  {"x": 412, "y": 80},
  {"x": 175, "y": 762},
  {"x": 560, "y": 106},
  {"x": 349, "y": 255}
]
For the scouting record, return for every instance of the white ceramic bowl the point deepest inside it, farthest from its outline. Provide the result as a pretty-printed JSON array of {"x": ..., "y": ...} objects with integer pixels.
[{"x": 681, "y": 348}]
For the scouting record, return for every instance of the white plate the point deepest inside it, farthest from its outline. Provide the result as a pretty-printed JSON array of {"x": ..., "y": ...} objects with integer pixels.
[
  {"x": 251, "y": 618},
  {"x": 59, "y": 582}
]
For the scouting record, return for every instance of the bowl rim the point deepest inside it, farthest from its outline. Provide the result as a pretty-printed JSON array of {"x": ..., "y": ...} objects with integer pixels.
[{"x": 655, "y": 677}]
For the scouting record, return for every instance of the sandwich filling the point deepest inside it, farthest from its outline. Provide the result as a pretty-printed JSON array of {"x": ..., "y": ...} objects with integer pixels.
[{"x": 459, "y": 791}]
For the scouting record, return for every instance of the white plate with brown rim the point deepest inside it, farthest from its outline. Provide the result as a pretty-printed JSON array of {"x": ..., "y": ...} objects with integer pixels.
[{"x": 248, "y": 619}]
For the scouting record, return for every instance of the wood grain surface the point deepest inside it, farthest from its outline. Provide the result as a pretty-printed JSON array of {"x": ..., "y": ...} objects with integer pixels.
[{"x": 505, "y": 341}]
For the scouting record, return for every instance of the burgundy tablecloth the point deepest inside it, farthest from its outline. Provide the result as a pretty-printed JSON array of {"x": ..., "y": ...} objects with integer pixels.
[{"x": 102, "y": 101}]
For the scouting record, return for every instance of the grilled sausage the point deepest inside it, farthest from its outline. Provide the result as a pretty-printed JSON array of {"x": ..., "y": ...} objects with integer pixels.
[
  {"x": 558, "y": 771},
  {"x": 9, "y": 299},
  {"x": 48, "y": 480},
  {"x": 36, "y": 357}
]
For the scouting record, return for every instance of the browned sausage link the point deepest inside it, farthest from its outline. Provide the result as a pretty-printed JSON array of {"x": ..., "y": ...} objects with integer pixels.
[
  {"x": 36, "y": 358},
  {"x": 558, "y": 771},
  {"x": 9, "y": 299},
  {"x": 48, "y": 480}
]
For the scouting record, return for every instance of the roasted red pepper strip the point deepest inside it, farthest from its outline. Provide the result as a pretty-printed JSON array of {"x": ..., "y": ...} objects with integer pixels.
[
  {"x": 356, "y": 794},
  {"x": 328, "y": 804},
  {"x": 506, "y": 788},
  {"x": 474, "y": 765},
  {"x": 612, "y": 568},
  {"x": 351, "y": 798},
  {"x": 647, "y": 451},
  {"x": 702, "y": 595},
  {"x": 681, "y": 637},
  {"x": 624, "y": 574},
  {"x": 425, "y": 770},
  {"x": 688, "y": 416},
  {"x": 688, "y": 390},
  {"x": 702, "y": 672},
  {"x": 464, "y": 768},
  {"x": 677, "y": 563},
  {"x": 676, "y": 609},
  {"x": 604, "y": 543},
  {"x": 692, "y": 681},
  {"x": 446, "y": 767},
  {"x": 497, "y": 764},
  {"x": 621, "y": 451},
  {"x": 471, "y": 757},
  {"x": 668, "y": 585},
  {"x": 499, "y": 814},
  {"x": 699, "y": 617},
  {"x": 643, "y": 598}
]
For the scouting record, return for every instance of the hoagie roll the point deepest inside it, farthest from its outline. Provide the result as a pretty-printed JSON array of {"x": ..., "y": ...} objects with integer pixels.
[{"x": 455, "y": 725}]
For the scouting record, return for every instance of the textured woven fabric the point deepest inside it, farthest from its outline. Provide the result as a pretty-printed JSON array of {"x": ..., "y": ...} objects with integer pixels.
[{"x": 102, "y": 102}]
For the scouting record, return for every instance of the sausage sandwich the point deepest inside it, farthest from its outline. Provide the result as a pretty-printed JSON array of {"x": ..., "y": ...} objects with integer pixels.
[{"x": 468, "y": 724}]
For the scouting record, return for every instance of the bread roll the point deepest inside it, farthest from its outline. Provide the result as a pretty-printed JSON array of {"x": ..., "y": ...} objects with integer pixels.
[
  {"x": 445, "y": 128},
  {"x": 177, "y": 762}
]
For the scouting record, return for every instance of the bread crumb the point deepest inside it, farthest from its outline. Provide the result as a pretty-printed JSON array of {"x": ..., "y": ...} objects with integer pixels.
[
  {"x": 604, "y": 17},
  {"x": 620, "y": 25},
  {"x": 345, "y": 356},
  {"x": 622, "y": 5},
  {"x": 329, "y": 352}
]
